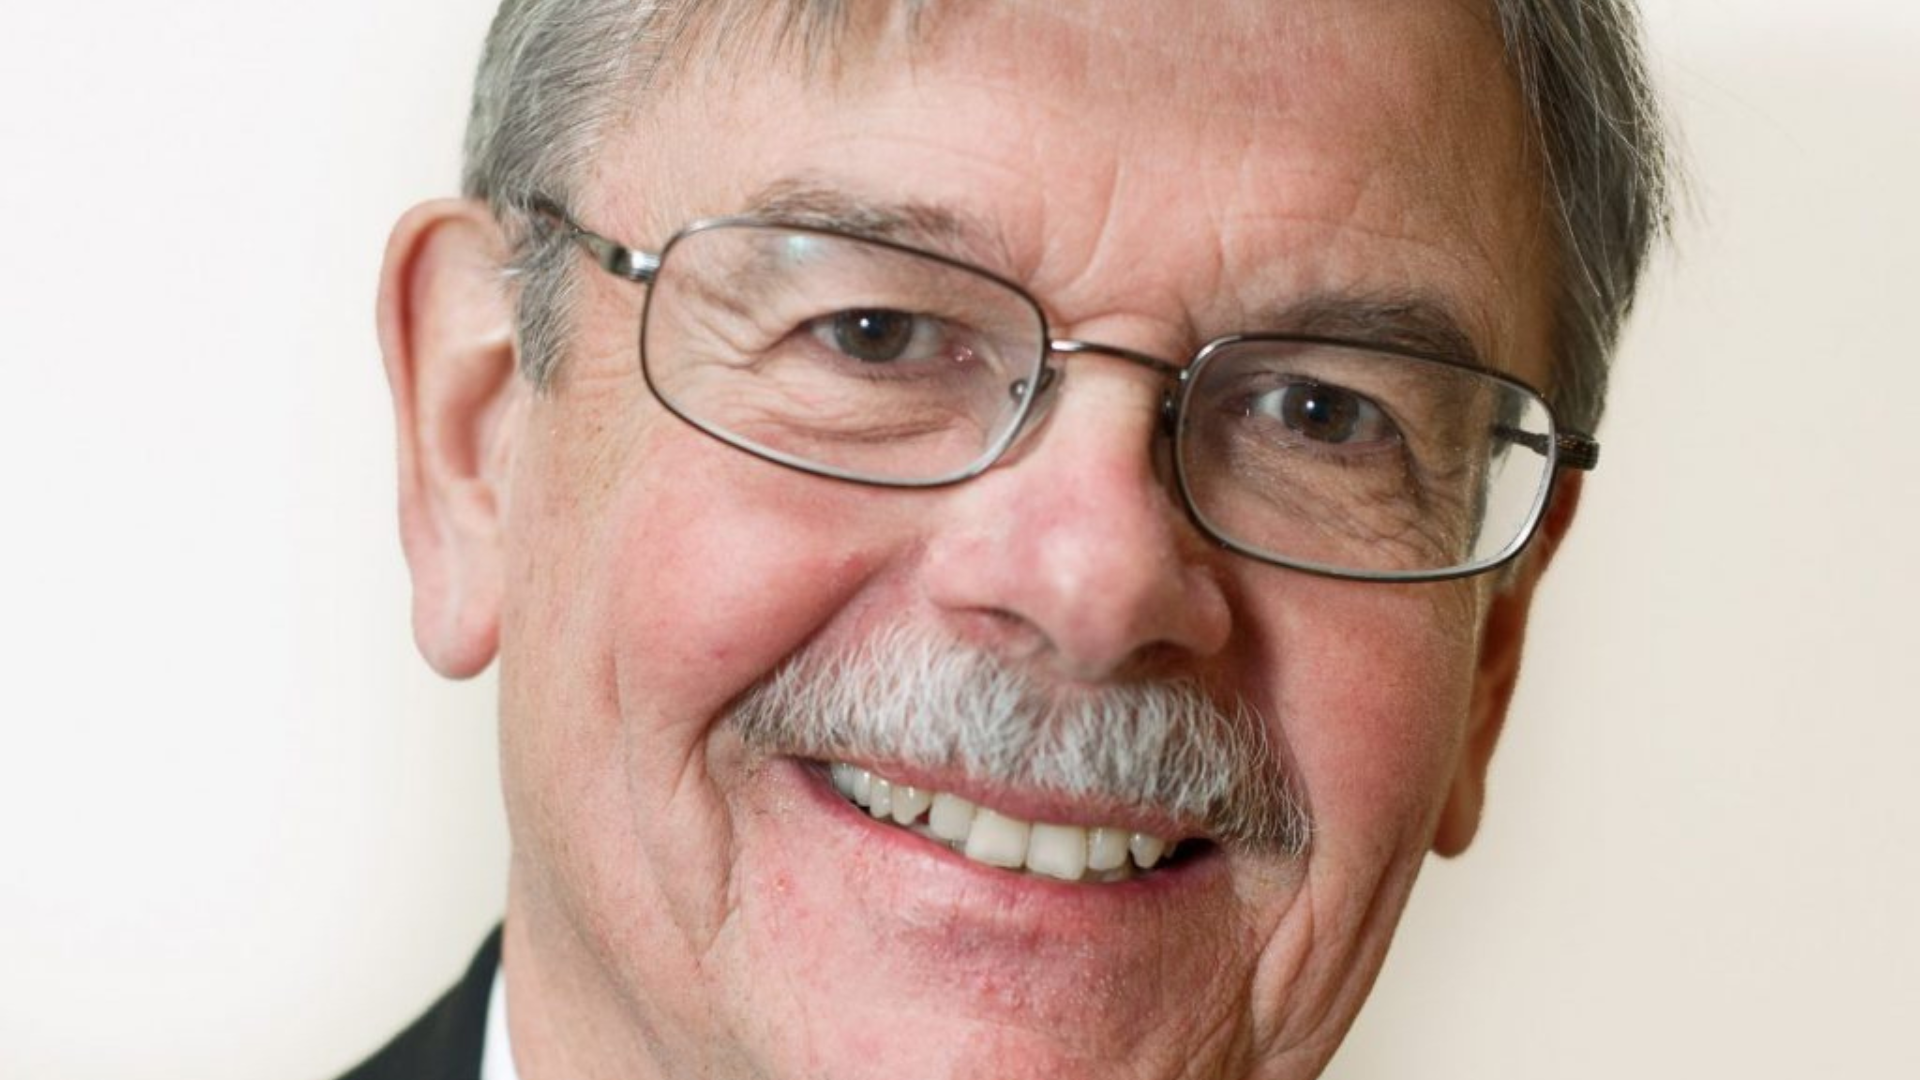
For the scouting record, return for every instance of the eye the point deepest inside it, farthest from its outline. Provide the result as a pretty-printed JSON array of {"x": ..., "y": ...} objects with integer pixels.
[
  {"x": 878, "y": 335},
  {"x": 1326, "y": 414}
]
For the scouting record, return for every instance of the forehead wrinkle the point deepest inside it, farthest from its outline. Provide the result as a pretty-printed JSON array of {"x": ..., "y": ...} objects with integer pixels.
[
  {"x": 1458, "y": 283},
  {"x": 816, "y": 202},
  {"x": 1474, "y": 220},
  {"x": 1215, "y": 66}
]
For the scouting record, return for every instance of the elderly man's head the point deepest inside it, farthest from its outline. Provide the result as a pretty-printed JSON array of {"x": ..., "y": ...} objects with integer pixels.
[{"x": 1005, "y": 598}]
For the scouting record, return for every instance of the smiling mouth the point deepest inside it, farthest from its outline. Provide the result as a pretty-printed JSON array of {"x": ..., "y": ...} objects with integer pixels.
[{"x": 1096, "y": 855}]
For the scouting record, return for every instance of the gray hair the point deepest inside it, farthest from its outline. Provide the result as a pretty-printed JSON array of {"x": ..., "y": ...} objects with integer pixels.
[{"x": 557, "y": 73}]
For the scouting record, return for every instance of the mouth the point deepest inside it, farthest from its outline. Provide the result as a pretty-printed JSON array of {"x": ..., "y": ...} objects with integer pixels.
[{"x": 1089, "y": 854}]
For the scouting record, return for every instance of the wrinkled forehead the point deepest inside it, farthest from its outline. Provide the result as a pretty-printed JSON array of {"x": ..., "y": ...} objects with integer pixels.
[
  {"x": 833, "y": 35},
  {"x": 1224, "y": 61},
  {"x": 1241, "y": 123}
]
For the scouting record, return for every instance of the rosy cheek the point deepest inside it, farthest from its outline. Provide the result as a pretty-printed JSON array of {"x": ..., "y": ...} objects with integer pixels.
[
  {"x": 1375, "y": 741},
  {"x": 727, "y": 565}
]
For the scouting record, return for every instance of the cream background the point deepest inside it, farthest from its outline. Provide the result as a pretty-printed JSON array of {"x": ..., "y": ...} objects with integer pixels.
[{"x": 243, "y": 832}]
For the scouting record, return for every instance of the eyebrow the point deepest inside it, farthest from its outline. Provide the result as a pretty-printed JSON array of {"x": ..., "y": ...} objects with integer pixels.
[
  {"x": 816, "y": 204},
  {"x": 1415, "y": 321}
]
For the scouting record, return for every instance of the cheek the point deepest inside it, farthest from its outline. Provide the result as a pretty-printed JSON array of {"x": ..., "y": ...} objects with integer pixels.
[
  {"x": 666, "y": 571},
  {"x": 1369, "y": 688},
  {"x": 1375, "y": 684},
  {"x": 659, "y": 576},
  {"x": 724, "y": 566}
]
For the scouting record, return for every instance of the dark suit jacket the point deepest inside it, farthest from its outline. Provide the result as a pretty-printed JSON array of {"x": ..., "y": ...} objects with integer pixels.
[{"x": 445, "y": 1044}]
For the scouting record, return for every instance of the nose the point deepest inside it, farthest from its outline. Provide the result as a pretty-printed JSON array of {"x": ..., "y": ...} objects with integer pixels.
[{"x": 1072, "y": 552}]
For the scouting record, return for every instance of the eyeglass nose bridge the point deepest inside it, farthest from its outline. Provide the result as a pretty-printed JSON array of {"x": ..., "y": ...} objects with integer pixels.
[{"x": 1174, "y": 374}]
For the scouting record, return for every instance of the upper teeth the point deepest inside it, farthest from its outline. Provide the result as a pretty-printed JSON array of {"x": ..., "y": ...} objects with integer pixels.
[{"x": 1067, "y": 852}]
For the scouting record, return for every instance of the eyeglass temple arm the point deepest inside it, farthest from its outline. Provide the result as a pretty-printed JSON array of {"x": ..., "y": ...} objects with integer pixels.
[
  {"x": 615, "y": 259},
  {"x": 1571, "y": 449}
]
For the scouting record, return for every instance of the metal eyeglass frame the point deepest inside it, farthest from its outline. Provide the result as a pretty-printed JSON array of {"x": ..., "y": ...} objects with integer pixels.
[{"x": 1565, "y": 449}]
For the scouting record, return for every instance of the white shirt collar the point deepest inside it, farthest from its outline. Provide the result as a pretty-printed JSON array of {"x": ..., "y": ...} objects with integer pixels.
[{"x": 496, "y": 1052}]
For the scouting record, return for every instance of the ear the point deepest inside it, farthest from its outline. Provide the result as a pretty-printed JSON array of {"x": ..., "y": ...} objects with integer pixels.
[
  {"x": 446, "y": 331},
  {"x": 1499, "y": 671}
]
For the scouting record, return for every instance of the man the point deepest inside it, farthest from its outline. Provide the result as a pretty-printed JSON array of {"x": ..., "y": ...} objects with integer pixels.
[{"x": 1007, "y": 527}]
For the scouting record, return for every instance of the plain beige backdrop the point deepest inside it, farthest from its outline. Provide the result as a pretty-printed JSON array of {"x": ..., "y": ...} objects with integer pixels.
[{"x": 243, "y": 833}]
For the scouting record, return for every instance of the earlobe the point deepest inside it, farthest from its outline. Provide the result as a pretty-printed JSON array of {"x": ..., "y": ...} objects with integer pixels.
[
  {"x": 446, "y": 333},
  {"x": 1498, "y": 673}
]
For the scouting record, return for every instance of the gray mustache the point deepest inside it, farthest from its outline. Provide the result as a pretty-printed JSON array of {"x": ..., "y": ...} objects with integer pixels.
[{"x": 910, "y": 697}]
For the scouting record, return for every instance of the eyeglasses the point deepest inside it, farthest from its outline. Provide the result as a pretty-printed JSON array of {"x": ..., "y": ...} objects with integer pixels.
[{"x": 873, "y": 362}]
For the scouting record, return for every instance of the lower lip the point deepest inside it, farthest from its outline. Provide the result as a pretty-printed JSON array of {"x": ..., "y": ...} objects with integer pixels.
[{"x": 1187, "y": 876}]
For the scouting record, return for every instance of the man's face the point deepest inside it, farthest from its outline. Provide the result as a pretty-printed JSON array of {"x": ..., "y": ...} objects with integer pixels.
[{"x": 1155, "y": 177}]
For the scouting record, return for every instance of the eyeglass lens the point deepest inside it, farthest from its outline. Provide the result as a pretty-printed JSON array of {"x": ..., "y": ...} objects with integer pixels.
[
  {"x": 1351, "y": 459},
  {"x": 822, "y": 351}
]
